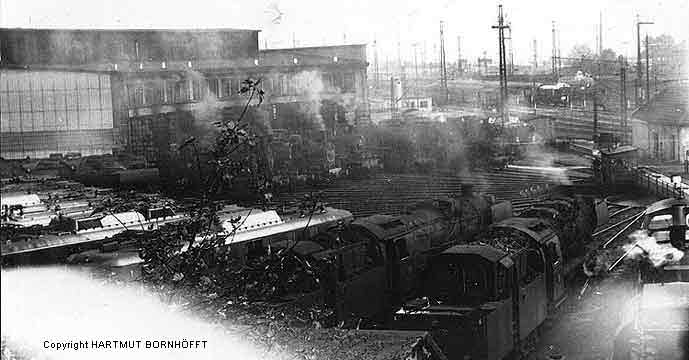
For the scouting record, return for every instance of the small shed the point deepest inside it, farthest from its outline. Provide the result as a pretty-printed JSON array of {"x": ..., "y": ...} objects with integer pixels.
[{"x": 616, "y": 164}]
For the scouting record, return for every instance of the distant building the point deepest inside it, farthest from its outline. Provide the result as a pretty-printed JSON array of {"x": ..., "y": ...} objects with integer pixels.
[
  {"x": 139, "y": 91},
  {"x": 661, "y": 130}
]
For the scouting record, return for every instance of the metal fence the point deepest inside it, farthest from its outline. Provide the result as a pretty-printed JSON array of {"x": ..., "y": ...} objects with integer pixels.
[{"x": 659, "y": 184}]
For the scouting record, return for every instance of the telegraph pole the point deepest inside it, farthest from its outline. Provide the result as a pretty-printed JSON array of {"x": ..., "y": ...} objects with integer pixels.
[
  {"x": 595, "y": 118},
  {"x": 375, "y": 61},
  {"x": 511, "y": 52},
  {"x": 600, "y": 34},
  {"x": 459, "y": 56},
  {"x": 416, "y": 71},
  {"x": 503, "y": 66},
  {"x": 596, "y": 137},
  {"x": 623, "y": 98},
  {"x": 648, "y": 86},
  {"x": 556, "y": 71},
  {"x": 443, "y": 68},
  {"x": 424, "y": 59},
  {"x": 637, "y": 82},
  {"x": 535, "y": 55}
]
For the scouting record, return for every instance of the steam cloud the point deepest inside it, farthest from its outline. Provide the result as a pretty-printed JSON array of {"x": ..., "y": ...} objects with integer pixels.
[
  {"x": 646, "y": 247},
  {"x": 310, "y": 85}
]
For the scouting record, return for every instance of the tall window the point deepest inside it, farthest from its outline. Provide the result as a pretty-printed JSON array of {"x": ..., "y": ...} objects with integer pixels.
[
  {"x": 226, "y": 85},
  {"x": 212, "y": 86},
  {"x": 338, "y": 81}
]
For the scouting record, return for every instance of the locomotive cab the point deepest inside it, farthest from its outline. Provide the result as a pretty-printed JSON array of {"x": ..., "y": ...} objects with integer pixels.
[
  {"x": 543, "y": 245},
  {"x": 467, "y": 294}
]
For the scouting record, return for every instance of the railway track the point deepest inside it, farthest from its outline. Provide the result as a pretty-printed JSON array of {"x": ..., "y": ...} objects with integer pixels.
[
  {"x": 392, "y": 193},
  {"x": 622, "y": 221}
]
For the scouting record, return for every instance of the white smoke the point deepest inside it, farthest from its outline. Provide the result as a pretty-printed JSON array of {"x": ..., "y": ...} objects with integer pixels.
[
  {"x": 646, "y": 247},
  {"x": 310, "y": 85},
  {"x": 44, "y": 306}
]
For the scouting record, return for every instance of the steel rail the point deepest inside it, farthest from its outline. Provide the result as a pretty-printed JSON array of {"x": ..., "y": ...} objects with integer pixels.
[{"x": 624, "y": 229}]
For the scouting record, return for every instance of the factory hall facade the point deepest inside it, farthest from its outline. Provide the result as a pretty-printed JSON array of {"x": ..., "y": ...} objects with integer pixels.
[{"x": 97, "y": 92}]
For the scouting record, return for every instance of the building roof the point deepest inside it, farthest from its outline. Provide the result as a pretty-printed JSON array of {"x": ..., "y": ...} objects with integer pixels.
[
  {"x": 671, "y": 107},
  {"x": 326, "y": 47},
  {"x": 132, "y": 30},
  {"x": 265, "y": 59}
]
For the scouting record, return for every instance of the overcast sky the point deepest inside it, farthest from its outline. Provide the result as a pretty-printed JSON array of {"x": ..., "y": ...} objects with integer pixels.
[{"x": 328, "y": 22}]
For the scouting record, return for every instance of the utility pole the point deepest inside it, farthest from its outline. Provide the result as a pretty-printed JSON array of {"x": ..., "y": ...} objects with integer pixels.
[
  {"x": 556, "y": 70},
  {"x": 623, "y": 98},
  {"x": 375, "y": 61},
  {"x": 595, "y": 118},
  {"x": 503, "y": 66},
  {"x": 459, "y": 56},
  {"x": 559, "y": 56},
  {"x": 600, "y": 34},
  {"x": 535, "y": 55},
  {"x": 511, "y": 52},
  {"x": 637, "y": 82},
  {"x": 424, "y": 60},
  {"x": 443, "y": 68},
  {"x": 416, "y": 71},
  {"x": 648, "y": 86}
]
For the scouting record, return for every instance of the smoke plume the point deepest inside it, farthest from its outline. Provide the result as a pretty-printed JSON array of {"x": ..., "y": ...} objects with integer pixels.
[{"x": 310, "y": 85}]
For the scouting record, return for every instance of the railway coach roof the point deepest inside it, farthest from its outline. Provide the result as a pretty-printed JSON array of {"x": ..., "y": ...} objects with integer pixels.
[
  {"x": 19, "y": 199},
  {"x": 261, "y": 230}
]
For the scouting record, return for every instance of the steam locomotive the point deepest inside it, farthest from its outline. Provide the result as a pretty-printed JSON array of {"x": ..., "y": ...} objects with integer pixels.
[
  {"x": 371, "y": 266},
  {"x": 366, "y": 266},
  {"x": 484, "y": 299}
]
